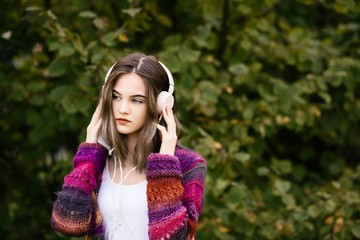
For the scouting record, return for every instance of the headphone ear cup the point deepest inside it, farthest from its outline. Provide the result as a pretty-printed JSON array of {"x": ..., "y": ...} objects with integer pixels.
[{"x": 164, "y": 99}]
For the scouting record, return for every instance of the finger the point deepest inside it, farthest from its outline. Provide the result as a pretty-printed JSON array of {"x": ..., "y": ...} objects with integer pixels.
[
  {"x": 162, "y": 130},
  {"x": 168, "y": 111},
  {"x": 97, "y": 110},
  {"x": 96, "y": 115},
  {"x": 92, "y": 133},
  {"x": 98, "y": 124},
  {"x": 169, "y": 119},
  {"x": 168, "y": 115}
]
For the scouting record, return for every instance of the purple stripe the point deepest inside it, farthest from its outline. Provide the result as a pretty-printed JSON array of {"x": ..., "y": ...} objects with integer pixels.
[{"x": 91, "y": 152}]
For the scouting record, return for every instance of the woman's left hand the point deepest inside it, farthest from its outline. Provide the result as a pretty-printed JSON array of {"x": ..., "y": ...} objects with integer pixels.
[{"x": 168, "y": 134}]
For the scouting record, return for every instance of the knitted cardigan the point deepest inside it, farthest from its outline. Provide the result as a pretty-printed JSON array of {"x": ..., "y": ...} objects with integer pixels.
[{"x": 175, "y": 192}]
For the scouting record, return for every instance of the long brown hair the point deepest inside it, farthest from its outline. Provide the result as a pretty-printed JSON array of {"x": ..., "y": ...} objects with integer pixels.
[{"x": 156, "y": 80}]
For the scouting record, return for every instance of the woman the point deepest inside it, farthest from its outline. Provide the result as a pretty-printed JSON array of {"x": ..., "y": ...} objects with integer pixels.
[{"x": 142, "y": 184}]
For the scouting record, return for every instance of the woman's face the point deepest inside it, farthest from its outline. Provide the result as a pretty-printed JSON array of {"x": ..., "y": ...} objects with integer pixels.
[{"x": 129, "y": 104}]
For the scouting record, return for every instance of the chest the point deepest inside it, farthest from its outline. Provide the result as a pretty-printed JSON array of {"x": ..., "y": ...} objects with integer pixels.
[{"x": 123, "y": 208}]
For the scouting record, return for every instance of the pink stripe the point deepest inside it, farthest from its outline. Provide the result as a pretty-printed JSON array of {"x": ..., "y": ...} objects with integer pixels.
[
  {"x": 168, "y": 226},
  {"x": 82, "y": 177}
]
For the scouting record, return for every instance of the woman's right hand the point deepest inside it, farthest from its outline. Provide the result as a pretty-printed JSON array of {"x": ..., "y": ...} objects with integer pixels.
[{"x": 92, "y": 130}]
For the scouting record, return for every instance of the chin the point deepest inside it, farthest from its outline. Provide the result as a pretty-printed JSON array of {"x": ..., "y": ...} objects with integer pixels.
[{"x": 125, "y": 132}]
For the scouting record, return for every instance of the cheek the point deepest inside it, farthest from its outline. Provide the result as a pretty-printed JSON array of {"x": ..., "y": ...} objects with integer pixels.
[
  {"x": 144, "y": 113},
  {"x": 113, "y": 107}
]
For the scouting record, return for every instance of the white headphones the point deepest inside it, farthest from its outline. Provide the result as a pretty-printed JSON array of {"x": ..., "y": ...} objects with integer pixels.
[{"x": 165, "y": 97}]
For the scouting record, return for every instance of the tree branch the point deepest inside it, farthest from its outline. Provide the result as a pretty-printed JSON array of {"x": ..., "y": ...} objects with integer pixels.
[{"x": 223, "y": 33}]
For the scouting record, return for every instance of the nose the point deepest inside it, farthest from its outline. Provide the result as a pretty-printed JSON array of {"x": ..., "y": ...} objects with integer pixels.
[{"x": 123, "y": 107}]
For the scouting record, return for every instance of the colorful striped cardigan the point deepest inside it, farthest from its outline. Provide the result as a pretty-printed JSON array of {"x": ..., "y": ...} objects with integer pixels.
[{"x": 175, "y": 192}]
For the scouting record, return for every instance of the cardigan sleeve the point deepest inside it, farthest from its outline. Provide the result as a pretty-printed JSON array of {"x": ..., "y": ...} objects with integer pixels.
[
  {"x": 73, "y": 209},
  {"x": 175, "y": 194}
]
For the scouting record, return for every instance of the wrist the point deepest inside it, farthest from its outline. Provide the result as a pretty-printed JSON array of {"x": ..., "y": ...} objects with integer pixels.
[
  {"x": 91, "y": 138},
  {"x": 168, "y": 148}
]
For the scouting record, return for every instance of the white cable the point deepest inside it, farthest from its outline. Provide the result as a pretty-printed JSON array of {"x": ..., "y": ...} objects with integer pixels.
[
  {"x": 111, "y": 151},
  {"x": 119, "y": 199},
  {"x": 114, "y": 172}
]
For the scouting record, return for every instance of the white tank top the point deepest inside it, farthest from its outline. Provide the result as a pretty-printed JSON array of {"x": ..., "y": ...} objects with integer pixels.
[{"x": 124, "y": 209}]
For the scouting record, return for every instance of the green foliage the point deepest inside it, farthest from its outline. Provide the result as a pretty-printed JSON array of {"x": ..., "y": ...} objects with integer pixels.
[{"x": 268, "y": 93}]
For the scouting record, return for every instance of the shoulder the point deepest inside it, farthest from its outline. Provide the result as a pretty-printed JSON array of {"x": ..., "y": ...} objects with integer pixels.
[{"x": 189, "y": 158}]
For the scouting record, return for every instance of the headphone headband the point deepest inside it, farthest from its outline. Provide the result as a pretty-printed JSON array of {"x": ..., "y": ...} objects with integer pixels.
[
  {"x": 170, "y": 77},
  {"x": 108, "y": 72}
]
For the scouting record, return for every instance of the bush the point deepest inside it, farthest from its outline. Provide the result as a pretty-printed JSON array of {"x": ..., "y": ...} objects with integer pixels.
[{"x": 268, "y": 93}]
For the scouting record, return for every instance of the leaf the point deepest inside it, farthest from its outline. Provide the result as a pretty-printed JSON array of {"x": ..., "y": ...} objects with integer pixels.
[
  {"x": 289, "y": 201},
  {"x": 66, "y": 50},
  {"x": 55, "y": 45},
  {"x": 340, "y": 8},
  {"x": 87, "y": 14},
  {"x": 100, "y": 23},
  {"x": 109, "y": 38},
  {"x": 325, "y": 96},
  {"x": 36, "y": 86},
  {"x": 33, "y": 8},
  {"x": 57, "y": 67},
  {"x": 239, "y": 69},
  {"x": 221, "y": 184},
  {"x": 68, "y": 105},
  {"x": 164, "y": 20},
  {"x": 204, "y": 31},
  {"x": 82, "y": 105},
  {"x": 330, "y": 205},
  {"x": 352, "y": 197},
  {"x": 173, "y": 40},
  {"x": 262, "y": 171},
  {"x": 209, "y": 110},
  {"x": 248, "y": 113},
  {"x": 242, "y": 157},
  {"x": 284, "y": 93},
  {"x": 314, "y": 211},
  {"x": 173, "y": 64},
  {"x": 78, "y": 45},
  {"x": 210, "y": 70},
  {"x": 281, "y": 187},
  {"x": 237, "y": 193},
  {"x": 209, "y": 92},
  {"x": 132, "y": 11},
  {"x": 189, "y": 55},
  {"x": 57, "y": 93},
  {"x": 51, "y": 14},
  {"x": 281, "y": 167},
  {"x": 355, "y": 229},
  {"x": 201, "y": 39}
]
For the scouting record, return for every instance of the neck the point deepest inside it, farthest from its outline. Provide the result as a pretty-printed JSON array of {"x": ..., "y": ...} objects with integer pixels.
[{"x": 131, "y": 141}]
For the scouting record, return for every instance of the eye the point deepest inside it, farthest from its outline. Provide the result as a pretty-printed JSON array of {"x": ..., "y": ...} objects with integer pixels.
[
  {"x": 136, "y": 100},
  {"x": 115, "y": 97}
]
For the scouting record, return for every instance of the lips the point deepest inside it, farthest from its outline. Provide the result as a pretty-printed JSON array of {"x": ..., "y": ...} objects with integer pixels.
[{"x": 122, "y": 121}]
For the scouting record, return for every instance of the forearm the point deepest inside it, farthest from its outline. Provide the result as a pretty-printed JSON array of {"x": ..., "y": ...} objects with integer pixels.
[
  {"x": 88, "y": 164},
  {"x": 73, "y": 207},
  {"x": 175, "y": 200}
]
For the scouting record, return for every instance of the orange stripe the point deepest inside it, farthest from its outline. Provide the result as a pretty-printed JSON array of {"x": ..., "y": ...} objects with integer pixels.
[{"x": 68, "y": 227}]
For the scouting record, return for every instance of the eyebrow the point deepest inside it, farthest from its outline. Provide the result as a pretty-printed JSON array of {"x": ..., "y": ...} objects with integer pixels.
[{"x": 133, "y": 96}]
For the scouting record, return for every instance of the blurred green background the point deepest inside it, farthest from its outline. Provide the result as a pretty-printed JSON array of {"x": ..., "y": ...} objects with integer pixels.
[{"x": 268, "y": 92}]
